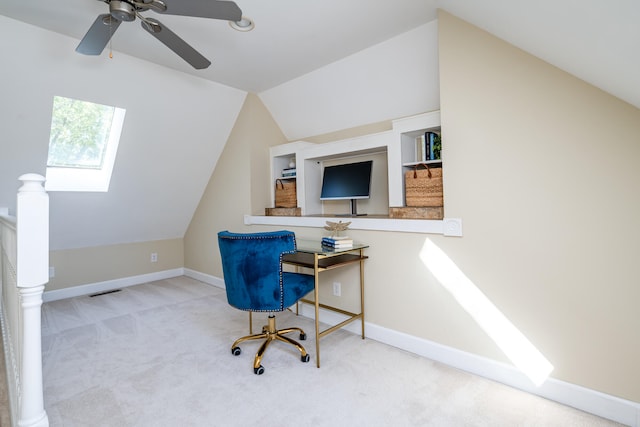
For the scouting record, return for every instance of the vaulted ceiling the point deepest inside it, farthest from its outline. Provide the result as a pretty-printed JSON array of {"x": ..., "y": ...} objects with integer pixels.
[{"x": 595, "y": 40}]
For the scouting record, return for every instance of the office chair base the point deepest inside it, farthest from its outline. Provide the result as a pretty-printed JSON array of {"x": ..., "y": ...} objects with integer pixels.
[{"x": 269, "y": 334}]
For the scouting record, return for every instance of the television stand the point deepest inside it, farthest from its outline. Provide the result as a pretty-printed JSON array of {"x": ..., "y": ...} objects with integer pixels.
[{"x": 350, "y": 215}]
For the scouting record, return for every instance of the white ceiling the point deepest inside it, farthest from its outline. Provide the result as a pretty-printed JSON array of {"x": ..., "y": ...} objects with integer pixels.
[
  {"x": 291, "y": 37},
  {"x": 596, "y": 40}
]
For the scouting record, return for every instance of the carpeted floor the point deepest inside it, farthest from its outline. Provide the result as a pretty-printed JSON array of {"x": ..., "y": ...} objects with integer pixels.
[{"x": 158, "y": 354}]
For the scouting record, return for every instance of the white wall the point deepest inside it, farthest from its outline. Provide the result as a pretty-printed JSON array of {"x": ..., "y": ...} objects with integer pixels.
[
  {"x": 175, "y": 129},
  {"x": 393, "y": 79}
]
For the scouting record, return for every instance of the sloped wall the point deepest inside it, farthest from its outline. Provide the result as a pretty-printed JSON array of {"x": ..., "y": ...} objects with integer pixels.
[
  {"x": 239, "y": 185},
  {"x": 542, "y": 168},
  {"x": 175, "y": 128}
]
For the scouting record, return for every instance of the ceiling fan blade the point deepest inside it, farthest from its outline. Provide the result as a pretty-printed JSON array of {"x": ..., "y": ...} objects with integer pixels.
[
  {"x": 94, "y": 42},
  {"x": 226, "y": 10},
  {"x": 175, "y": 43}
]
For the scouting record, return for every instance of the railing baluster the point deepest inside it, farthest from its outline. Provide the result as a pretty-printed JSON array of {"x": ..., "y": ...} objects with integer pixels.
[{"x": 25, "y": 271}]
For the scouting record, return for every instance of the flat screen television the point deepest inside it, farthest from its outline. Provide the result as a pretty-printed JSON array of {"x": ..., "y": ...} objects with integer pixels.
[{"x": 350, "y": 181}]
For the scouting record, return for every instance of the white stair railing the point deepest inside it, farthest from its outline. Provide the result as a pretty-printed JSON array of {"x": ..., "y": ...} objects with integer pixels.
[{"x": 24, "y": 261}]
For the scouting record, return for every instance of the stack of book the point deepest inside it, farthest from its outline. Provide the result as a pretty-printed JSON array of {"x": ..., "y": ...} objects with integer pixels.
[
  {"x": 337, "y": 242},
  {"x": 429, "y": 146},
  {"x": 289, "y": 173}
]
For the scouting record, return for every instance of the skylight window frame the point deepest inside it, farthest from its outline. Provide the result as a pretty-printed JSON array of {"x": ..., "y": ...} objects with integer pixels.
[{"x": 60, "y": 178}]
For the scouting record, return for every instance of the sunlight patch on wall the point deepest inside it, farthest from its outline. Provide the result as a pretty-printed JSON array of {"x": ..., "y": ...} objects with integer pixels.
[{"x": 511, "y": 341}]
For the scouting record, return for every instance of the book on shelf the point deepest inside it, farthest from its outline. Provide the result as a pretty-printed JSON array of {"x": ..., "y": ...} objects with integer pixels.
[
  {"x": 289, "y": 172},
  {"x": 433, "y": 145},
  {"x": 428, "y": 147},
  {"x": 421, "y": 149}
]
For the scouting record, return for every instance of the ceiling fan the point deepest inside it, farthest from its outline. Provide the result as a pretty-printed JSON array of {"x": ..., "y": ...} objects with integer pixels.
[{"x": 96, "y": 39}]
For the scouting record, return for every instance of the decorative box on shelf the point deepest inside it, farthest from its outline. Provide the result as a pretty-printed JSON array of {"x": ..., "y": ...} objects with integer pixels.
[
  {"x": 283, "y": 212},
  {"x": 434, "y": 212}
]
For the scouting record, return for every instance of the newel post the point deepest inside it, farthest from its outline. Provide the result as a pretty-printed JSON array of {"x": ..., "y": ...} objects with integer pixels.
[{"x": 32, "y": 214}]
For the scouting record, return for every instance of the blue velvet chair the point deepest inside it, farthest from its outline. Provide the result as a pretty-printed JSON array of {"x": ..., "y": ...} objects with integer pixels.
[{"x": 254, "y": 281}]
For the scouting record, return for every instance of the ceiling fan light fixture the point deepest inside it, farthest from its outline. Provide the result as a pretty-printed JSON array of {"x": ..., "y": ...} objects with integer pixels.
[
  {"x": 245, "y": 24},
  {"x": 122, "y": 11}
]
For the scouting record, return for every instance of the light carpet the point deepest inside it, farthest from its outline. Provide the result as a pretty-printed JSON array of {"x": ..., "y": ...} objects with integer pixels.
[{"x": 158, "y": 354}]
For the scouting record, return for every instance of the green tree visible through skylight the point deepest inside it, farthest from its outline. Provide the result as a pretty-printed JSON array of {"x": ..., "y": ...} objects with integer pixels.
[{"x": 79, "y": 133}]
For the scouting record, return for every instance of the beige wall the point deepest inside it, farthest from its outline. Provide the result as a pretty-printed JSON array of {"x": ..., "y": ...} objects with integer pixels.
[
  {"x": 83, "y": 266},
  {"x": 239, "y": 185},
  {"x": 542, "y": 168}
]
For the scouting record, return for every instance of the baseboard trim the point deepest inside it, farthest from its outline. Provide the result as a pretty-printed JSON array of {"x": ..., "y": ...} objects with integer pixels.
[
  {"x": 594, "y": 402},
  {"x": 588, "y": 400},
  {"x": 108, "y": 285},
  {"x": 206, "y": 278}
]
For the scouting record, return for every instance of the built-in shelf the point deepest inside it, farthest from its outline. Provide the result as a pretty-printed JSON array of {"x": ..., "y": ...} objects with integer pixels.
[
  {"x": 396, "y": 149},
  {"x": 425, "y": 162}
]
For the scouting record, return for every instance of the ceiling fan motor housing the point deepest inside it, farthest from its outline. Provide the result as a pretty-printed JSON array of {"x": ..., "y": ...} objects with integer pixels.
[
  {"x": 122, "y": 10},
  {"x": 102, "y": 29}
]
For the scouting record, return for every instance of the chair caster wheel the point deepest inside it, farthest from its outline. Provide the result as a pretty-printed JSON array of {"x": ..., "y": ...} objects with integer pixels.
[
  {"x": 236, "y": 351},
  {"x": 305, "y": 358},
  {"x": 303, "y": 336},
  {"x": 259, "y": 370}
]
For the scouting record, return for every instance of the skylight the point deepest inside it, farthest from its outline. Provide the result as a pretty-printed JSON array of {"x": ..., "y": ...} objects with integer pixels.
[{"x": 82, "y": 145}]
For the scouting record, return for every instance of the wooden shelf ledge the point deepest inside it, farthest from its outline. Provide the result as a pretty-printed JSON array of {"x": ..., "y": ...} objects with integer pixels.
[{"x": 446, "y": 226}]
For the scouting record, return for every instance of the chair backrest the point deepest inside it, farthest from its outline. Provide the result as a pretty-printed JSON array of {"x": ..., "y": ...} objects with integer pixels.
[{"x": 252, "y": 268}]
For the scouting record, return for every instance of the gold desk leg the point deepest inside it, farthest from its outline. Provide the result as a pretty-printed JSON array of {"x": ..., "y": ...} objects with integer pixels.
[
  {"x": 317, "y": 302},
  {"x": 362, "y": 290}
]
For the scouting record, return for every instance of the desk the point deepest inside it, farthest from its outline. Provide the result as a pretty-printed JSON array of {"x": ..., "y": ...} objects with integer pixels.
[{"x": 311, "y": 254}]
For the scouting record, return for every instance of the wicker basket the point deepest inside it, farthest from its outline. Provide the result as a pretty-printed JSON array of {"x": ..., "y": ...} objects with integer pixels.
[
  {"x": 282, "y": 211},
  {"x": 286, "y": 196},
  {"x": 433, "y": 212},
  {"x": 423, "y": 187}
]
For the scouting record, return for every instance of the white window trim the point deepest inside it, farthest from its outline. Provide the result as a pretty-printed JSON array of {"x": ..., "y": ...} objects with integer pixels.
[{"x": 97, "y": 180}]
